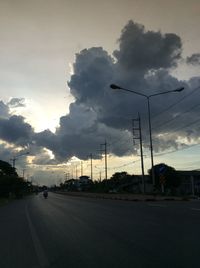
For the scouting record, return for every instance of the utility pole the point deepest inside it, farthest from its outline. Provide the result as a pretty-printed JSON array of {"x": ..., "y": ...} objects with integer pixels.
[
  {"x": 13, "y": 161},
  {"x": 67, "y": 176},
  {"x": 72, "y": 172},
  {"x": 81, "y": 168},
  {"x": 137, "y": 134},
  {"x": 76, "y": 172},
  {"x": 105, "y": 154},
  {"x": 91, "y": 170},
  {"x": 23, "y": 173}
]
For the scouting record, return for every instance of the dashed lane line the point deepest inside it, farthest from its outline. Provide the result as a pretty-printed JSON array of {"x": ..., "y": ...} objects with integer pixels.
[{"x": 42, "y": 259}]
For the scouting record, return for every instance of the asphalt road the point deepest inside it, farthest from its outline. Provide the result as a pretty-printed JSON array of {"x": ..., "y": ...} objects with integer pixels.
[{"x": 65, "y": 231}]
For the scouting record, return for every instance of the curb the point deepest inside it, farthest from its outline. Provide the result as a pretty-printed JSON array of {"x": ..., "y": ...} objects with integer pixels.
[{"x": 121, "y": 198}]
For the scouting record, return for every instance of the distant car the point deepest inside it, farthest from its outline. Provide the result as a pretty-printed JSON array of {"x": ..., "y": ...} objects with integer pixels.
[{"x": 113, "y": 191}]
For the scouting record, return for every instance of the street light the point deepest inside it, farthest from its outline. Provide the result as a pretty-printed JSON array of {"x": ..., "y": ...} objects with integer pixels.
[
  {"x": 113, "y": 86},
  {"x": 15, "y": 158}
]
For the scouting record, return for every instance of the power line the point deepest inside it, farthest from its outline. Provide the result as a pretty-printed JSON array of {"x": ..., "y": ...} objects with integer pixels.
[
  {"x": 177, "y": 102},
  {"x": 117, "y": 140},
  {"x": 127, "y": 164},
  {"x": 177, "y": 150},
  {"x": 188, "y": 125},
  {"x": 179, "y": 115}
]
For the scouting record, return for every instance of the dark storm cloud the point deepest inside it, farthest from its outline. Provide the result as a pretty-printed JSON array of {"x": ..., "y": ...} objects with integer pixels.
[
  {"x": 89, "y": 139},
  {"x": 15, "y": 130},
  {"x": 43, "y": 158},
  {"x": 93, "y": 70},
  {"x": 6, "y": 153},
  {"x": 80, "y": 134},
  {"x": 16, "y": 102},
  {"x": 142, "y": 50},
  {"x": 142, "y": 63},
  {"x": 194, "y": 59},
  {"x": 46, "y": 139}
]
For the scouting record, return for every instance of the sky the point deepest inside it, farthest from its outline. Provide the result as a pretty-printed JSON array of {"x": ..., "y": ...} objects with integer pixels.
[{"x": 57, "y": 60}]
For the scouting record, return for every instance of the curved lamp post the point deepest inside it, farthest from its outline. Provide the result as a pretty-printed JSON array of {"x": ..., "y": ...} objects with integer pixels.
[
  {"x": 113, "y": 86},
  {"x": 15, "y": 158}
]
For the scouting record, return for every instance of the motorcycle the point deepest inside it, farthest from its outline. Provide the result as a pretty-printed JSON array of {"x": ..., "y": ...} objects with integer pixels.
[{"x": 45, "y": 194}]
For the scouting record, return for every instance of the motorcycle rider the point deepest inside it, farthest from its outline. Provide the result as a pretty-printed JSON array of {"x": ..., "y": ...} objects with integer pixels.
[{"x": 45, "y": 193}]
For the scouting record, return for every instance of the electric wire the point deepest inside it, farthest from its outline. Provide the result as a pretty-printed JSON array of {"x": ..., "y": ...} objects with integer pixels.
[
  {"x": 175, "y": 103},
  {"x": 179, "y": 115},
  {"x": 177, "y": 150},
  {"x": 188, "y": 125}
]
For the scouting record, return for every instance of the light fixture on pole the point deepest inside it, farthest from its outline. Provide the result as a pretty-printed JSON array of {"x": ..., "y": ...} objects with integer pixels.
[
  {"x": 15, "y": 158},
  {"x": 113, "y": 86}
]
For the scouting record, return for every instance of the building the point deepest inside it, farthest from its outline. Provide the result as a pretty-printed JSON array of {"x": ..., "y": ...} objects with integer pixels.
[
  {"x": 190, "y": 182},
  {"x": 85, "y": 183}
]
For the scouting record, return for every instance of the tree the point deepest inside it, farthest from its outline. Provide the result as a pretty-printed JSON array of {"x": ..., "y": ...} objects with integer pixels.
[
  {"x": 121, "y": 181},
  {"x": 119, "y": 176},
  {"x": 10, "y": 182},
  {"x": 7, "y": 169},
  {"x": 167, "y": 175}
]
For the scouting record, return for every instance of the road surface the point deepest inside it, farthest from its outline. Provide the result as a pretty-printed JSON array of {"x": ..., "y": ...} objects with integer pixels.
[{"x": 65, "y": 231}]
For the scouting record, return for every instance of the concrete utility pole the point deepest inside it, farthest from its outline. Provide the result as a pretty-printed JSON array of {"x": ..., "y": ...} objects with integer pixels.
[
  {"x": 76, "y": 173},
  {"x": 13, "y": 161},
  {"x": 72, "y": 172},
  {"x": 23, "y": 173},
  {"x": 91, "y": 169},
  {"x": 137, "y": 134},
  {"x": 81, "y": 168},
  {"x": 105, "y": 154},
  {"x": 67, "y": 175}
]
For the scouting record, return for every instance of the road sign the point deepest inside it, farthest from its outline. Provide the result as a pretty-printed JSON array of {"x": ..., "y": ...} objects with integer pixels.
[
  {"x": 162, "y": 179},
  {"x": 162, "y": 169}
]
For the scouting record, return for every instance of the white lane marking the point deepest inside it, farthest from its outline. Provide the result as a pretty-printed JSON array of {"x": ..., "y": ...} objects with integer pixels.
[
  {"x": 197, "y": 209},
  {"x": 156, "y": 205},
  {"x": 42, "y": 259}
]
